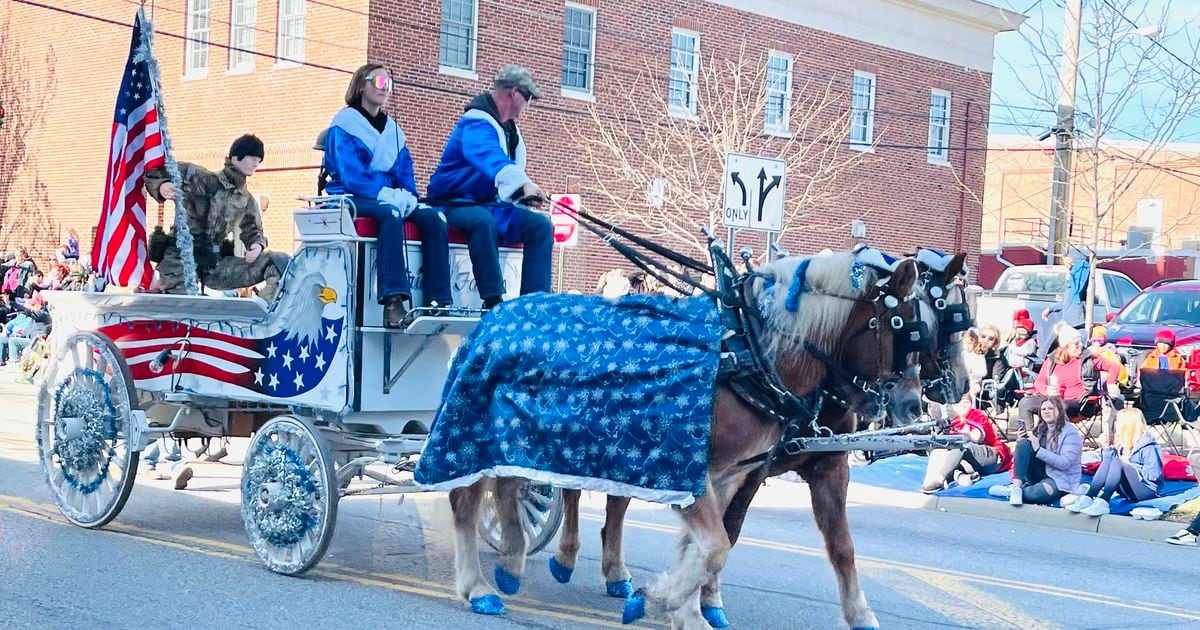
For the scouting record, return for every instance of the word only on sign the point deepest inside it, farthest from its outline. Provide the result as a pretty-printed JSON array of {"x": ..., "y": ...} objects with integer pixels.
[
  {"x": 563, "y": 218},
  {"x": 754, "y": 192}
]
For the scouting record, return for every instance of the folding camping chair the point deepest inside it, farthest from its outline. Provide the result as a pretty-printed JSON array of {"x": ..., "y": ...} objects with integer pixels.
[{"x": 1163, "y": 400}]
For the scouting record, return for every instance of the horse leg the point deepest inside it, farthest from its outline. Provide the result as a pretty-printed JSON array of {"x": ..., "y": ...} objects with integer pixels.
[
  {"x": 712, "y": 606},
  {"x": 465, "y": 503},
  {"x": 562, "y": 564},
  {"x": 675, "y": 592},
  {"x": 828, "y": 479},
  {"x": 513, "y": 542},
  {"x": 617, "y": 579}
]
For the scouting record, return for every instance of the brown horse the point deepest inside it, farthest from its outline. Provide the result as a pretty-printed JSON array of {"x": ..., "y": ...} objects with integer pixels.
[
  {"x": 944, "y": 378},
  {"x": 843, "y": 316}
]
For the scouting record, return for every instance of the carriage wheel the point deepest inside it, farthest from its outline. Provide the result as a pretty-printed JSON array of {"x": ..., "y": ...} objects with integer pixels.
[
  {"x": 85, "y": 411},
  {"x": 289, "y": 495},
  {"x": 541, "y": 509}
]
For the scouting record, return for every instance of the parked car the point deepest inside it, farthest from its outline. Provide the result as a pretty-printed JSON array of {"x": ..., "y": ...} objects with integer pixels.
[
  {"x": 1038, "y": 287},
  {"x": 1168, "y": 304}
]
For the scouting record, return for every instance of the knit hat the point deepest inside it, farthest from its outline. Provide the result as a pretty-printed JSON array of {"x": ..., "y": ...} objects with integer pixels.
[
  {"x": 1067, "y": 335},
  {"x": 1166, "y": 336},
  {"x": 1025, "y": 323},
  {"x": 248, "y": 144},
  {"x": 1099, "y": 332},
  {"x": 1020, "y": 314}
]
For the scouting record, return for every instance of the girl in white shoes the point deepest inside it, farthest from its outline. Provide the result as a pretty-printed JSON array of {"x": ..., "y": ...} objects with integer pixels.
[
  {"x": 1046, "y": 461},
  {"x": 1131, "y": 467}
]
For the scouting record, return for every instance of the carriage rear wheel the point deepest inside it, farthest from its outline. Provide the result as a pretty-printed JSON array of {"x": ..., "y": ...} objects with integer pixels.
[
  {"x": 541, "y": 511},
  {"x": 85, "y": 414},
  {"x": 289, "y": 495}
]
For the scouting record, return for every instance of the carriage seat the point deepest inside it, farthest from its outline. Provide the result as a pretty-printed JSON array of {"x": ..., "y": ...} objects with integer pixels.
[{"x": 369, "y": 228}]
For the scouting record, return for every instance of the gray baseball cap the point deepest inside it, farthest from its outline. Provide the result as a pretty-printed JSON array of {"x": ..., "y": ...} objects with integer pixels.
[{"x": 512, "y": 75}]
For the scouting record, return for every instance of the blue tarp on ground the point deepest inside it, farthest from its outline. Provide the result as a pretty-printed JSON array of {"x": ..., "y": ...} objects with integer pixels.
[{"x": 906, "y": 472}]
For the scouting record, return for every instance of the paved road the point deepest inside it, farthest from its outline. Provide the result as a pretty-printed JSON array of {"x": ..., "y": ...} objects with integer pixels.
[{"x": 180, "y": 560}]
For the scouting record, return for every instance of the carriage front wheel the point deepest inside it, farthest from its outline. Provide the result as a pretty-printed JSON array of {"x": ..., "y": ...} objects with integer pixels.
[
  {"x": 289, "y": 495},
  {"x": 541, "y": 510},
  {"x": 85, "y": 416}
]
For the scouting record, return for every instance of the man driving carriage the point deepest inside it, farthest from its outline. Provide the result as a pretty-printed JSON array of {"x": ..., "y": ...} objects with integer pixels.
[
  {"x": 481, "y": 178},
  {"x": 216, "y": 203}
]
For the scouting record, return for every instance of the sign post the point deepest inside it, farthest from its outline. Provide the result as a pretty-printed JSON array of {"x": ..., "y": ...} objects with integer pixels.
[
  {"x": 755, "y": 188},
  {"x": 565, "y": 223}
]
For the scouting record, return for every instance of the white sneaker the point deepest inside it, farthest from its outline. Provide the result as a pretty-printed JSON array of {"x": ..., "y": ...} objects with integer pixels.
[
  {"x": 1069, "y": 500},
  {"x": 1079, "y": 504},
  {"x": 1000, "y": 491},
  {"x": 1099, "y": 507},
  {"x": 1016, "y": 496},
  {"x": 1183, "y": 538}
]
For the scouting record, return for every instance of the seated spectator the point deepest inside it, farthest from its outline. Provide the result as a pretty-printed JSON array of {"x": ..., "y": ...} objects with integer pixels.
[
  {"x": 1021, "y": 352},
  {"x": 982, "y": 358},
  {"x": 69, "y": 249},
  {"x": 1133, "y": 469},
  {"x": 1046, "y": 461},
  {"x": 1188, "y": 535},
  {"x": 1164, "y": 356},
  {"x": 32, "y": 322},
  {"x": 1072, "y": 373},
  {"x": 985, "y": 454}
]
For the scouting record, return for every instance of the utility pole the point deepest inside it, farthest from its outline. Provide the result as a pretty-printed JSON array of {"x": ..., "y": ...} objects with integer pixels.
[{"x": 1064, "y": 132}]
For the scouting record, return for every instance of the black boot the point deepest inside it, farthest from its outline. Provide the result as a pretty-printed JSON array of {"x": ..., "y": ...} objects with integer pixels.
[
  {"x": 488, "y": 303},
  {"x": 394, "y": 311}
]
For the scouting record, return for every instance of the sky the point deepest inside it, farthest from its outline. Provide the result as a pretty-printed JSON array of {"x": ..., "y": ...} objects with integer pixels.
[{"x": 1148, "y": 95}]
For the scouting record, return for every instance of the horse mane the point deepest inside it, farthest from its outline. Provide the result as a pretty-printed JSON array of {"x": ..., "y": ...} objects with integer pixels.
[{"x": 823, "y": 309}]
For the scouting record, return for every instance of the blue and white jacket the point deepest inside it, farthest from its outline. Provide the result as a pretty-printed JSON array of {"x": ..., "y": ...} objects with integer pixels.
[
  {"x": 364, "y": 162},
  {"x": 484, "y": 160}
]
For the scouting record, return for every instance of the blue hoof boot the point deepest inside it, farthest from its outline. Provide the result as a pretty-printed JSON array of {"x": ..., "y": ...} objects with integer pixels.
[
  {"x": 715, "y": 616},
  {"x": 620, "y": 588},
  {"x": 865, "y": 628},
  {"x": 508, "y": 583},
  {"x": 635, "y": 607},
  {"x": 560, "y": 573},
  {"x": 487, "y": 605}
]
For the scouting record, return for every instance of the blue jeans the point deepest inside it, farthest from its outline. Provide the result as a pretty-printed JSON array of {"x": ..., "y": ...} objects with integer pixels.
[
  {"x": 390, "y": 264},
  {"x": 17, "y": 345},
  {"x": 488, "y": 226}
]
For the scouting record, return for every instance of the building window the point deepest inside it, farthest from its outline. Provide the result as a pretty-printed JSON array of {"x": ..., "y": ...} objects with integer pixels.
[
  {"x": 241, "y": 34},
  {"x": 685, "y": 67},
  {"x": 862, "y": 110},
  {"x": 579, "y": 42},
  {"x": 778, "y": 107},
  {"x": 939, "y": 127},
  {"x": 290, "y": 46},
  {"x": 457, "y": 49},
  {"x": 198, "y": 28}
]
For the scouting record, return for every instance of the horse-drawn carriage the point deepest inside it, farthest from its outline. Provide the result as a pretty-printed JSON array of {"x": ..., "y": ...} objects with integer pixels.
[{"x": 325, "y": 391}]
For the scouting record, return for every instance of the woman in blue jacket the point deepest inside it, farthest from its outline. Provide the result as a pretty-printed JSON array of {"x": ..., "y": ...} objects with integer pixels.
[
  {"x": 366, "y": 157},
  {"x": 1133, "y": 469}
]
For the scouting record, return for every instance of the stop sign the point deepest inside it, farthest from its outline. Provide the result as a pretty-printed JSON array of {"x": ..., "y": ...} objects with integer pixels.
[{"x": 562, "y": 215}]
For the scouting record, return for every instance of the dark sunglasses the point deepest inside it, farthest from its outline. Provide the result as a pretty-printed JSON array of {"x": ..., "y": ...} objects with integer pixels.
[{"x": 526, "y": 93}]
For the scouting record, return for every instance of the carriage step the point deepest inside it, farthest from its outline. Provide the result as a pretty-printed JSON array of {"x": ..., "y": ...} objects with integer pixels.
[
  {"x": 402, "y": 446},
  {"x": 427, "y": 325}
]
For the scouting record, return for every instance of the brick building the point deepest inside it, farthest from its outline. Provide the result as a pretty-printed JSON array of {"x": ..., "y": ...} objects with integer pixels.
[{"x": 913, "y": 74}]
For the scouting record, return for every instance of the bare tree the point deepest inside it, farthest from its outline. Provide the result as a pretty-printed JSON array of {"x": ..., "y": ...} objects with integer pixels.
[
  {"x": 662, "y": 172},
  {"x": 25, "y": 92},
  {"x": 1137, "y": 85}
]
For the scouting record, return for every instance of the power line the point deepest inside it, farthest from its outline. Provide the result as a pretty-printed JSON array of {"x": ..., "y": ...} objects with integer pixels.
[
  {"x": 274, "y": 34},
  {"x": 1155, "y": 40}
]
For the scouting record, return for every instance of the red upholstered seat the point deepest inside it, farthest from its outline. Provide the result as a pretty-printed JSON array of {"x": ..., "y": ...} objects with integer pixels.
[{"x": 369, "y": 228}]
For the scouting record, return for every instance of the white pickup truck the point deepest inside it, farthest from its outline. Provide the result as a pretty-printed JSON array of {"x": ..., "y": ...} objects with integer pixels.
[{"x": 1038, "y": 287}]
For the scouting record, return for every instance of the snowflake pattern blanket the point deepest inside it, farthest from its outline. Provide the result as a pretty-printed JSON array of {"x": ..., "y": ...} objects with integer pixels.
[{"x": 582, "y": 392}]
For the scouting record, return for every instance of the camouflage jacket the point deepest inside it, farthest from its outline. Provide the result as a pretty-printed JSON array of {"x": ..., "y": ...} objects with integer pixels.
[{"x": 215, "y": 202}]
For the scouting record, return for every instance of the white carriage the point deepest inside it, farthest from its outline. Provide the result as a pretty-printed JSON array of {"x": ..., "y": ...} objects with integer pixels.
[{"x": 326, "y": 393}]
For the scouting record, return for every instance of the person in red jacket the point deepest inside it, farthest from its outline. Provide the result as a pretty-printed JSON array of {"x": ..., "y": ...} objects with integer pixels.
[
  {"x": 984, "y": 454},
  {"x": 1164, "y": 356},
  {"x": 1071, "y": 373}
]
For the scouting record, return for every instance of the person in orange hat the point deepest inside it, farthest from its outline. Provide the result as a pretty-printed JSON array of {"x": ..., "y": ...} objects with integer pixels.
[{"x": 1164, "y": 356}]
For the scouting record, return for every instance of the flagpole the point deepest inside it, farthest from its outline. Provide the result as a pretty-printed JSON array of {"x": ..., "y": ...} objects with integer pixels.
[{"x": 183, "y": 235}]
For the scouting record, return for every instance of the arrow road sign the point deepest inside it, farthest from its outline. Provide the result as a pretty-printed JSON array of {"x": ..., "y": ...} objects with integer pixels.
[{"x": 761, "y": 209}]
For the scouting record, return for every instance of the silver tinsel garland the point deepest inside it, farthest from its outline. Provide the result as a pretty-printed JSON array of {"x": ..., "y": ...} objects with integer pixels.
[
  {"x": 93, "y": 449},
  {"x": 280, "y": 464}
]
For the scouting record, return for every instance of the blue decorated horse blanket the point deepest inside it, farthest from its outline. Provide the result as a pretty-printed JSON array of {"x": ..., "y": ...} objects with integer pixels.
[{"x": 582, "y": 392}]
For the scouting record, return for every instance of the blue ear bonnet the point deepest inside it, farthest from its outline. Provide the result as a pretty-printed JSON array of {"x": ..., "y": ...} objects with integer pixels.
[{"x": 798, "y": 286}]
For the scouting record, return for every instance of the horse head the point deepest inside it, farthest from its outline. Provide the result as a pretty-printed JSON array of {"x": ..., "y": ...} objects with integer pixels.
[
  {"x": 943, "y": 371},
  {"x": 850, "y": 327}
]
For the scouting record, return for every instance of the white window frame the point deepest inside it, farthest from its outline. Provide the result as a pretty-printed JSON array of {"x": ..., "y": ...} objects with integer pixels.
[
  {"x": 467, "y": 72},
  {"x": 691, "y": 75},
  {"x": 198, "y": 39},
  {"x": 242, "y": 36},
  {"x": 864, "y": 144},
  {"x": 783, "y": 127},
  {"x": 281, "y": 41},
  {"x": 941, "y": 128},
  {"x": 587, "y": 92}
]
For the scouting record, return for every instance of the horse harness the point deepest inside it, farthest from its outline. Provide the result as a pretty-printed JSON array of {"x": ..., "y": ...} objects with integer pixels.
[{"x": 952, "y": 319}]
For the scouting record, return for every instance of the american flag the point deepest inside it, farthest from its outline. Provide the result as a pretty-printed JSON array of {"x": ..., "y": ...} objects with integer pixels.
[{"x": 120, "y": 251}]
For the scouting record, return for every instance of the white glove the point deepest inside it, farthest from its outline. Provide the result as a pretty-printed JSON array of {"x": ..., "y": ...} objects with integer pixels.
[{"x": 404, "y": 201}]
